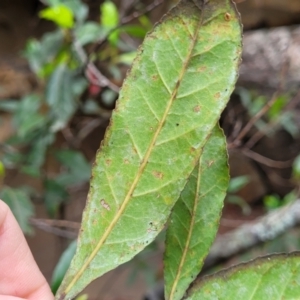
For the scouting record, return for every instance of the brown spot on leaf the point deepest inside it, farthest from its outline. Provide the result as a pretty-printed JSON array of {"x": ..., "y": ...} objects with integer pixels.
[
  {"x": 210, "y": 163},
  {"x": 154, "y": 77},
  {"x": 158, "y": 175},
  {"x": 227, "y": 17},
  {"x": 197, "y": 108},
  {"x": 104, "y": 204},
  {"x": 108, "y": 162},
  {"x": 126, "y": 161},
  {"x": 217, "y": 96},
  {"x": 202, "y": 69},
  {"x": 193, "y": 149}
]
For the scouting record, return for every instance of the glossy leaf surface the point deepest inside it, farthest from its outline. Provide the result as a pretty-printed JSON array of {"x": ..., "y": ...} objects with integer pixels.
[
  {"x": 195, "y": 218},
  {"x": 274, "y": 277},
  {"x": 172, "y": 98}
]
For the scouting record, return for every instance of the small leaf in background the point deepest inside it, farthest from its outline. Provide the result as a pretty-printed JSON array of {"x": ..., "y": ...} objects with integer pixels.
[
  {"x": 134, "y": 30},
  {"x": 109, "y": 97},
  {"x": 27, "y": 117},
  {"x": 237, "y": 183},
  {"x": 89, "y": 32},
  {"x": 55, "y": 194},
  {"x": 41, "y": 54},
  {"x": 59, "y": 14},
  {"x": 237, "y": 200},
  {"x": 290, "y": 197},
  {"x": 272, "y": 201},
  {"x": 126, "y": 58},
  {"x": 257, "y": 104},
  {"x": 79, "y": 9},
  {"x": 9, "y": 105},
  {"x": 79, "y": 169},
  {"x": 271, "y": 277},
  {"x": 195, "y": 218},
  {"x": 110, "y": 19},
  {"x": 276, "y": 109},
  {"x": 91, "y": 107},
  {"x": 20, "y": 204},
  {"x": 287, "y": 121},
  {"x": 11, "y": 158},
  {"x": 61, "y": 95},
  {"x": 62, "y": 266},
  {"x": 35, "y": 157},
  {"x": 145, "y": 22},
  {"x": 169, "y": 104},
  {"x": 109, "y": 14}
]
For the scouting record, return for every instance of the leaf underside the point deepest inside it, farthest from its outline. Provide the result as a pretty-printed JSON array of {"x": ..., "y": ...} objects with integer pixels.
[
  {"x": 172, "y": 98},
  {"x": 274, "y": 277},
  {"x": 195, "y": 218}
]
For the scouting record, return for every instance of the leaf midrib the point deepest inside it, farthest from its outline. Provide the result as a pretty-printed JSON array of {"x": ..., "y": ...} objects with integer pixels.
[
  {"x": 189, "y": 237},
  {"x": 142, "y": 166}
]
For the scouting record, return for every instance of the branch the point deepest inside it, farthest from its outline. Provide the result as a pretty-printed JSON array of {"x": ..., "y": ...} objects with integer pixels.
[
  {"x": 91, "y": 71},
  {"x": 138, "y": 14},
  {"x": 261, "y": 230},
  {"x": 274, "y": 124},
  {"x": 50, "y": 226},
  {"x": 267, "y": 161},
  {"x": 254, "y": 119}
]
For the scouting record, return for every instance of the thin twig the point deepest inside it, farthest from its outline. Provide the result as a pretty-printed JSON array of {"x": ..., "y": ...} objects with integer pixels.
[
  {"x": 267, "y": 161},
  {"x": 57, "y": 223},
  {"x": 267, "y": 106},
  {"x": 51, "y": 229},
  {"x": 271, "y": 126},
  {"x": 138, "y": 14},
  {"x": 279, "y": 180},
  {"x": 253, "y": 120},
  {"x": 91, "y": 71},
  {"x": 88, "y": 128}
]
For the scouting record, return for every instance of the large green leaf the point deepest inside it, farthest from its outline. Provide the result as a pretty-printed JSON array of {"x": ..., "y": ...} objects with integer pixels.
[
  {"x": 195, "y": 219},
  {"x": 172, "y": 98},
  {"x": 274, "y": 277}
]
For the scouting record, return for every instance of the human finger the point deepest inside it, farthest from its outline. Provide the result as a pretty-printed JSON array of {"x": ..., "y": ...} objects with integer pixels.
[{"x": 19, "y": 273}]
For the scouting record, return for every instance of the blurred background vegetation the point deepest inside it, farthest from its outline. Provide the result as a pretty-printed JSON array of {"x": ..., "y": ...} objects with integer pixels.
[{"x": 62, "y": 63}]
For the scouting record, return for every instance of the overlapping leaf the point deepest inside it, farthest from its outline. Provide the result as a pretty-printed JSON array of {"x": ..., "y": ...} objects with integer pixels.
[
  {"x": 274, "y": 277},
  {"x": 170, "y": 102},
  {"x": 195, "y": 218}
]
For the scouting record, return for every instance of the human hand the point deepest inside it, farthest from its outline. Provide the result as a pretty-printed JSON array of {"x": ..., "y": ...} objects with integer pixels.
[{"x": 20, "y": 277}]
